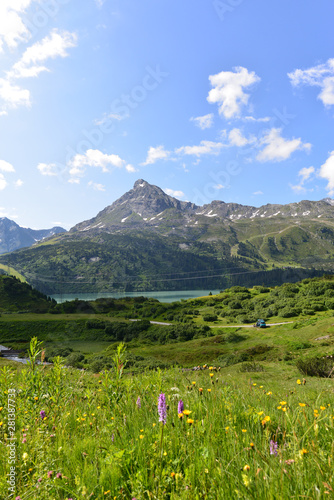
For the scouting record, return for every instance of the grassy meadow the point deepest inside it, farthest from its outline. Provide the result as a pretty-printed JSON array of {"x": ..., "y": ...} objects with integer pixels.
[
  {"x": 261, "y": 435},
  {"x": 257, "y": 420}
]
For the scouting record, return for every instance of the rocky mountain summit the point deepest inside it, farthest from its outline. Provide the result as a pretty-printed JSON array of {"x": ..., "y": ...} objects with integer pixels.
[{"x": 147, "y": 206}]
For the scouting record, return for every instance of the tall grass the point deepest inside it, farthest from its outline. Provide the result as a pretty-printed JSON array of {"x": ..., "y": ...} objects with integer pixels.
[{"x": 96, "y": 441}]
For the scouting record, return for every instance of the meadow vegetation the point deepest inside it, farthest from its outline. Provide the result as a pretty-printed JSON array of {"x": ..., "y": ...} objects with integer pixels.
[{"x": 257, "y": 420}]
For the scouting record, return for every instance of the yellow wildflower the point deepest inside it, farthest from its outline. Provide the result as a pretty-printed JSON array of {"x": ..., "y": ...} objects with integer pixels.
[
  {"x": 246, "y": 468},
  {"x": 190, "y": 421},
  {"x": 186, "y": 412},
  {"x": 302, "y": 405},
  {"x": 298, "y": 382}
]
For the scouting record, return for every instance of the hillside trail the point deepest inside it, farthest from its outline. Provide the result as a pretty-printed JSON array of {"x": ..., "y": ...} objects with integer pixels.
[{"x": 220, "y": 326}]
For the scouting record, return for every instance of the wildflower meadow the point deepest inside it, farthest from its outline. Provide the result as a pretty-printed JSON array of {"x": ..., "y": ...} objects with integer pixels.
[{"x": 160, "y": 435}]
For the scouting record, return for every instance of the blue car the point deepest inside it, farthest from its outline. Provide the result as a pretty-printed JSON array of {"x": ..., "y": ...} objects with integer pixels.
[{"x": 260, "y": 323}]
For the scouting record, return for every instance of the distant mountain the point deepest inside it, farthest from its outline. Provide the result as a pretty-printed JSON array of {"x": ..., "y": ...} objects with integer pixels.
[
  {"x": 147, "y": 240},
  {"x": 147, "y": 206},
  {"x": 13, "y": 236}
]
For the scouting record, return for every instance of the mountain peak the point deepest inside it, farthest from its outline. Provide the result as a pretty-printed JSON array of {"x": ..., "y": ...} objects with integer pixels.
[{"x": 140, "y": 183}]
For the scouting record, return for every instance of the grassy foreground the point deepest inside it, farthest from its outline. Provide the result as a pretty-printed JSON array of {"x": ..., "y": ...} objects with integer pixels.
[{"x": 84, "y": 435}]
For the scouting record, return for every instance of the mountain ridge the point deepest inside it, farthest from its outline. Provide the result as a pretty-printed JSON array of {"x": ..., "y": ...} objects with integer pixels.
[
  {"x": 14, "y": 237},
  {"x": 149, "y": 240}
]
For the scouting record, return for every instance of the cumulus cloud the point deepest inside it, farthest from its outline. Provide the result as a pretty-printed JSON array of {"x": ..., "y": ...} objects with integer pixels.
[
  {"x": 277, "y": 148},
  {"x": 155, "y": 154},
  {"x": 321, "y": 76},
  {"x": 12, "y": 28},
  {"x": 50, "y": 169},
  {"x": 130, "y": 168},
  {"x": 204, "y": 148},
  {"x": 327, "y": 172},
  {"x": 305, "y": 174},
  {"x": 77, "y": 166},
  {"x": 258, "y": 193},
  {"x": 228, "y": 90},
  {"x": 32, "y": 62},
  {"x": 18, "y": 183},
  {"x": 6, "y": 167},
  {"x": 93, "y": 158},
  {"x": 96, "y": 186},
  {"x": 175, "y": 194},
  {"x": 13, "y": 96},
  {"x": 203, "y": 122},
  {"x": 236, "y": 138},
  {"x": 3, "y": 182},
  {"x": 252, "y": 119}
]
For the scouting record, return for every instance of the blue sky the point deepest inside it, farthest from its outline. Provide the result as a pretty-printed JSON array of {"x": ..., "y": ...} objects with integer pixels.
[{"x": 208, "y": 99}]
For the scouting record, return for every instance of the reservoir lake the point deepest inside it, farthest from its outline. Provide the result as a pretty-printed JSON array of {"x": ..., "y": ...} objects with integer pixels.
[{"x": 161, "y": 296}]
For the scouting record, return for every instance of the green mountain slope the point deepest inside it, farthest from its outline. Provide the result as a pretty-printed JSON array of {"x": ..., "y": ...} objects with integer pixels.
[{"x": 147, "y": 240}]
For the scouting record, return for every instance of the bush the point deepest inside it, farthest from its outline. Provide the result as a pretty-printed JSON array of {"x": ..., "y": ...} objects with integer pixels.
[
  {"x": 297, "y": 345},
  {"x": 251, "y": 366},
  {"x": 316, "y": 367},
  {"x": 53, "y": 352},
  {"x": 210, "y": 317},
  {"x": 75, "y": 359},
  {"x": 234, "y": 337}
]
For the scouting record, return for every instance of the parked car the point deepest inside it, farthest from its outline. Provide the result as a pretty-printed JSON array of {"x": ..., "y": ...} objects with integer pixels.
[{"x": 260, "y": 323}]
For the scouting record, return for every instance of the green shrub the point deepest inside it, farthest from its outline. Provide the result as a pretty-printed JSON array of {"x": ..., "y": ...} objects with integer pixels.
[
  {"x": 251, "y": 366},
  {"x": 210, "y": 317},
  {"x": 297, "y": 345},
  {"x": 316, "y": 367},
  {"x": 75, "y": 359},
  {"x": 234, "y": 337}
]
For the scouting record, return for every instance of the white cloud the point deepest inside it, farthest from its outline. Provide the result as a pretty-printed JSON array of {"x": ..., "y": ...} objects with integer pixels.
[
  {"x": 228, "y": 90},
  {"x": 99, "y": 3},
  {"x": 3, "y": 182},
  {"x": 155, "y": 154},
  {"x": 321, "y": 76},
  {"x": 76, "y": 167},
  {"x": 327, "y": 172},
  {"x": 6, "y": 167},
  {"x": 203, "y": 122},
  {"x": 32, "y": 62},
  {"x": 94, "y": 158},
  {"x": 258, "y": 193},
  {"x": 50, "y": 169},
  {"x": 13, "y": 96},
  {"x": 204, "y": 148},
  {"x": 107, "y": 117},
  {"x": 176, "y": 194},
  {"x": 96, "y": 186},
  {"x": 219, "y": 186},
  {"x": 305, "y": 173},
  {"x": 236, "y": 138},
  {"x": 277, "y": 148},
  {"x": 130, "y": 168},
  {"x": 252, "y": 119},
  {"x": 12, "y": 28},
  {"x": 18, "y": 183}
]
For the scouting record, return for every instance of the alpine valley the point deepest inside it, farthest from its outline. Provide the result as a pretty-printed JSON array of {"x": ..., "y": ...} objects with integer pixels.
[{"x": 147, "y": 240}]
